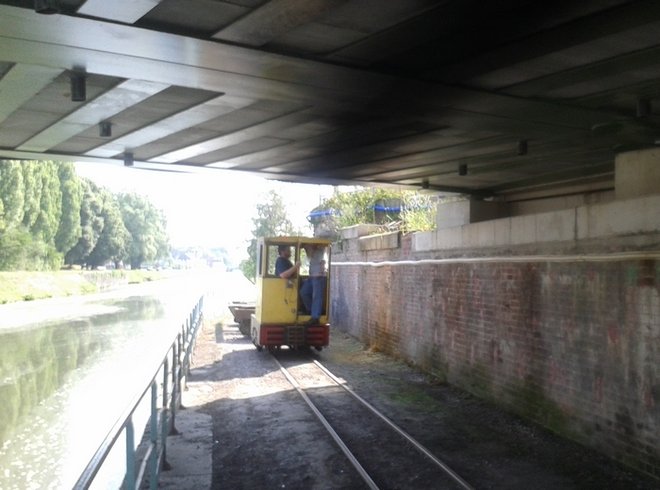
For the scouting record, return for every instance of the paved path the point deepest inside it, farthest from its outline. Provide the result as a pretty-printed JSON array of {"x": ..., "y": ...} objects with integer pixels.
[{"x": 190, "y": 452}]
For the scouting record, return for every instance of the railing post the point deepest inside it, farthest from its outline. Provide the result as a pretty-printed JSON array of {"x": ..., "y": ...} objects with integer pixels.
[
  {"x": 164, "y": 465},
  {"x": 181, "y": 353},
  {"x": 166, "y": 373},
  {"x": 129, "y": 479},
  {"x": 153, "y": 437},
  {"x": 175, "y": 385},
  {"x": 164, "y": 419}
]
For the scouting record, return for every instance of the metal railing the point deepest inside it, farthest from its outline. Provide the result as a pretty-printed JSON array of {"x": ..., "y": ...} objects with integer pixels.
[{"x": 174, "y": 369}]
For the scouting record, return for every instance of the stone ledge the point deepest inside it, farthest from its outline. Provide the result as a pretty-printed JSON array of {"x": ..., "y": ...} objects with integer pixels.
[
  {"x": 357, "y": 231},
  {"x": 380, "y": 242}
]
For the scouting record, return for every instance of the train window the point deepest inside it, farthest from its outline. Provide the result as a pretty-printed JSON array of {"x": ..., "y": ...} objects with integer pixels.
[
  {"x": 304, "y": 262},
  {"x": 272, "y": 258},
  {"x": 260, "y": 260},
  {"x": 272, "y": 251}
]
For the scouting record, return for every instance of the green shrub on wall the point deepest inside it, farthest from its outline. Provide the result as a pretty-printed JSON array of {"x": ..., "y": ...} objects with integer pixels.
[{"x": 407, "y": 211}]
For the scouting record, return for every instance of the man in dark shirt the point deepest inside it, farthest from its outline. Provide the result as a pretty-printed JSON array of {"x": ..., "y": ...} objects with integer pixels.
[{"x": 284, "y": 268}]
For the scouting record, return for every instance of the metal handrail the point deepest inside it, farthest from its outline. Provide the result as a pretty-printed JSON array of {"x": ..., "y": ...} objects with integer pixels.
[{"x": 156, "y": 452}]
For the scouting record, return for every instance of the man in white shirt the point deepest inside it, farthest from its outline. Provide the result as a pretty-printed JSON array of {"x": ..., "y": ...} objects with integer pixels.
[{"x": 312, "y": 291}]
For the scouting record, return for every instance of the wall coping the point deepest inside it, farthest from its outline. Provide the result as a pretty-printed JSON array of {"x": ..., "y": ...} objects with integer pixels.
[
  {"x": 357, "y": 231},
  {"x": 382, "y": 241},
  {"x": 587, "y": 222}
]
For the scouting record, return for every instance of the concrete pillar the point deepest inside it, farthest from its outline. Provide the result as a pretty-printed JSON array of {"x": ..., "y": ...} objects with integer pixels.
[
  {"x": 637, "y": 173},
  {"x": 459, "y": 213}
]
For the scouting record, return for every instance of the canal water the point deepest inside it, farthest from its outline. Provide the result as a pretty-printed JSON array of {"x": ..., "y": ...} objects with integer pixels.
[{"x": 69, "y": 367}]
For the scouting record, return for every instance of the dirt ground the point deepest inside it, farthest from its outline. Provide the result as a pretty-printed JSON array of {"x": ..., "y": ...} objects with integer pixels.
[{"x": 264, "y": 436}]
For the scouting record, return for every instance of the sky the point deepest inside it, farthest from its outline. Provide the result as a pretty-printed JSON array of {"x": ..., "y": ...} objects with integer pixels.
[{"x": 213, "y": 208}]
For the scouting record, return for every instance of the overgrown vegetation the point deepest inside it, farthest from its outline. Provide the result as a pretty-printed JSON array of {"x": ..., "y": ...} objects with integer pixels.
[
  {"x": 407, "y": 211},
  {"x": 50, "y": 217}
]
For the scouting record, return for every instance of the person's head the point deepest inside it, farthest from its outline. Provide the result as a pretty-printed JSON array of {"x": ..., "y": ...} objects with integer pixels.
[{"x": 284, "y": 251}]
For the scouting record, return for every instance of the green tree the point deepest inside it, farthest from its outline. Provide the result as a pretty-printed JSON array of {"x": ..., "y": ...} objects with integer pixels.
[
  {"x": 14, "y": 243},
  {"x": 31, "y": 210},
  {"x": 12, "y": 193},
  {"x": 91, "y": 223},
  {"x": 69, "y": 230},
  {"x": 271, "y": 220},
  {"x": 163, "y": 249},
  {"x": 147, "y": 228},
  {"x": 49, "y": 197},
  {"x": 32, "y": 194},
  {"x": 112, "y": 244}
]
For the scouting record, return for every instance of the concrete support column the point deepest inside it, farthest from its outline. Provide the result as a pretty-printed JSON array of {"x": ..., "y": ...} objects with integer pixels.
[
  {"x": 459, "y": 213},
  {"x": 637, "y": 173}
]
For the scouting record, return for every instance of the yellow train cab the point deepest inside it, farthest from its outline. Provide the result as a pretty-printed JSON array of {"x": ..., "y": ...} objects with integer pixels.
[{"x": 293, "y": 287}]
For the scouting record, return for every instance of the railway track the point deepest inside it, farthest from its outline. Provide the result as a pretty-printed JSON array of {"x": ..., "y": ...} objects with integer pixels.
[{"x": 382, "y": 453}]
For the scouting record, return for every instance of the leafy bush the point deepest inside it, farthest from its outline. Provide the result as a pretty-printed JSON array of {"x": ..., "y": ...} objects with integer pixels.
[{"x": 407, "y": 211}]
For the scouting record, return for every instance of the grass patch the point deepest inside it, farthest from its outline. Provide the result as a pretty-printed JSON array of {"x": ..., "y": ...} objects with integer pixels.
[
  {"x": 139, "y": 276},
  {"x": 30, "y": 286},
  {"x": 415, "y": 397}
]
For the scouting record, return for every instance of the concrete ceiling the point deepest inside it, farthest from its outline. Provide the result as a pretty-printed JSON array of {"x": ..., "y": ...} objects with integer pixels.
[{"x": 508, "y": 97}]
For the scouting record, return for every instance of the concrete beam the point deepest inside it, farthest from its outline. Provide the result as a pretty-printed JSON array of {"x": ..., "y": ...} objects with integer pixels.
[{"x": 637, "y": 173}]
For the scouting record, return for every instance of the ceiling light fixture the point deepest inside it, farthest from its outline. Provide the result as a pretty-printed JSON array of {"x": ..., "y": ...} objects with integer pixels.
[
  {"x": 644, "y": 107},
  {"x": 78, "y": 87},
  {"x": 47, "y": 7},
  {"x": 105, "y": 129}
]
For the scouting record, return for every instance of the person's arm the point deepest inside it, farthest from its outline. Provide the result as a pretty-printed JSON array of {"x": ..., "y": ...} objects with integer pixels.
[{"x": 291, "y": 271}]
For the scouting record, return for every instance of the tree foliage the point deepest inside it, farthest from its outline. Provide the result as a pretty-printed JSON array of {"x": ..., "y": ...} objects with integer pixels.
[
  {"x": 113, "y": 240},
  {"x": 69, "y": 229},
  {"x": 395, "y": 209},
  {"x": 49, "y": 215},
  {"x": 31, "y": 210},
  {"x": 49, "y": 200},
  {"x": 91, "y": 224},
  {"x": 147, "y": 228},
  {"x": 271, "y": 220},
  {"x": 12, "y": 194}
]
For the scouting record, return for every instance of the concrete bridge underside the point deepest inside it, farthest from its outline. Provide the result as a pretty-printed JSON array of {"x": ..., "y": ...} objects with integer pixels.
[{"x": 511, "y": 98}]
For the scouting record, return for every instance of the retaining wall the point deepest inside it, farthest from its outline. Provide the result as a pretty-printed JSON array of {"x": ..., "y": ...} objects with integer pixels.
[{"x": 560, "y": 326}]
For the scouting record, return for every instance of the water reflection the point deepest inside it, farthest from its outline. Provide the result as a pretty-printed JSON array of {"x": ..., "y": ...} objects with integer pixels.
[{"x": 63, "y": 384}]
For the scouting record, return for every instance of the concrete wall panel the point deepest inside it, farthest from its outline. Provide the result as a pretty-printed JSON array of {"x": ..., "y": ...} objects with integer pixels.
[{"x": 449, "y": 238}]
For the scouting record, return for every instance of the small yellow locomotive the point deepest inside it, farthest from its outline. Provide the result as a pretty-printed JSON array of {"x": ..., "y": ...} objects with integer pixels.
[{"x": 293, "y": 287}]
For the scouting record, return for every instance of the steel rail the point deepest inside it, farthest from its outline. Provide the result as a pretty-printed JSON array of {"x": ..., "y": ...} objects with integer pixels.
[
  {"x": 443, "y": 466},
  {"x": 353, "y": 460}
]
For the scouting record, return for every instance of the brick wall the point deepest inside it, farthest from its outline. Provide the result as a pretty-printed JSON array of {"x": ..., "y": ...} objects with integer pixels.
[{"x": 573, "y": 344}]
